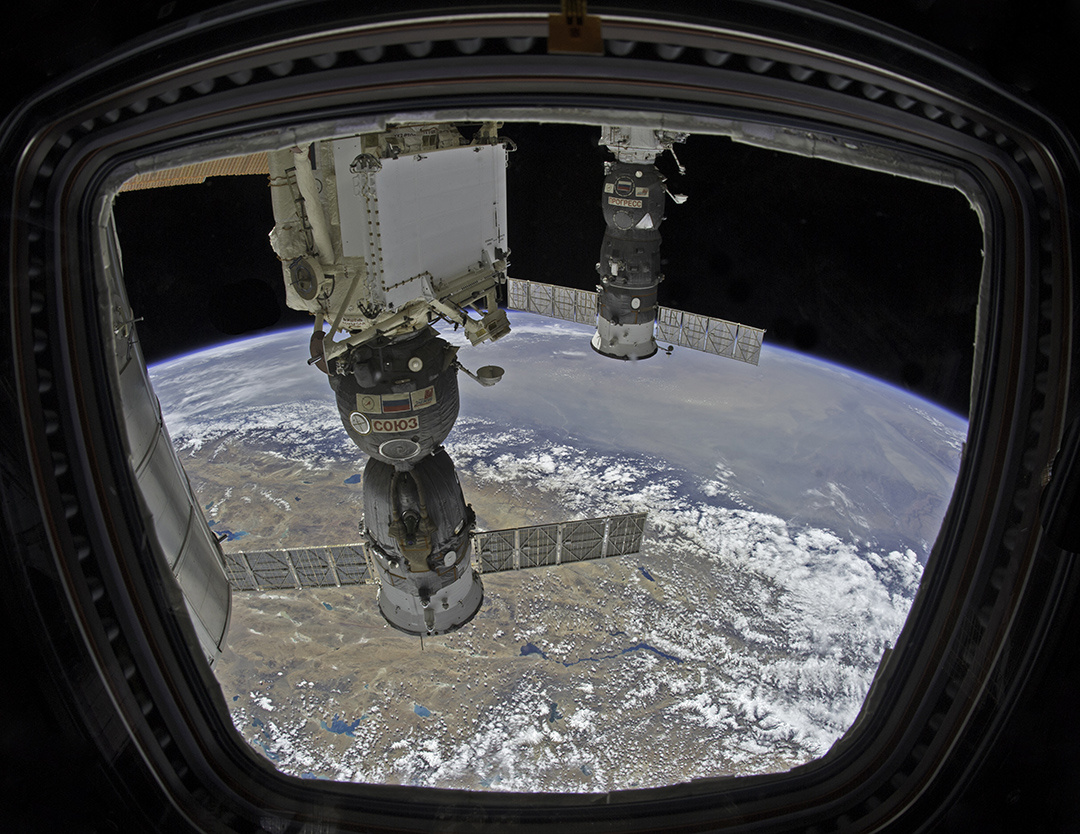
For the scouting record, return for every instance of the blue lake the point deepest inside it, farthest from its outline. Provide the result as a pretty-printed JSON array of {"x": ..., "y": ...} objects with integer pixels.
[{"x": 341, "y": 727}]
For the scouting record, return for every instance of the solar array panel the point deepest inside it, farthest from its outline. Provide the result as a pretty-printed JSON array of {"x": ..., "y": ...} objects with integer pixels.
[
  {"x": 678, "y": 327},
  {"x": 493, "y": 551},
  {"x": 555, "y": 302},
  {"x": 544, "y": 545},
  {"x": 256, "y": 163},
  {"x": 307, "y": 567},
  {"x": 584, "y": 541}
]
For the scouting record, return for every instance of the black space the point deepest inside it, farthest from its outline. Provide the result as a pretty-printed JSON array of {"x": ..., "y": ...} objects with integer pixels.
[
  {"x": 866, "y": 269},
  {"x": 198, "y": 264}
]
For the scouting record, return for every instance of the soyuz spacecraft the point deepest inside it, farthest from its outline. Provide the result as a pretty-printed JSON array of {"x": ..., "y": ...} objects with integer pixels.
[{"x": 381, "y": 236}]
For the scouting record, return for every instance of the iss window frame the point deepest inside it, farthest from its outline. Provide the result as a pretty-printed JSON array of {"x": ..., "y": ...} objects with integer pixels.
[{"x": 995, "y": 582}]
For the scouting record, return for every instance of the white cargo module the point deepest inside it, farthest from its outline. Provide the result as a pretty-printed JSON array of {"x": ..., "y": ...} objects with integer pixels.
[{"x": 430, "y": 216}]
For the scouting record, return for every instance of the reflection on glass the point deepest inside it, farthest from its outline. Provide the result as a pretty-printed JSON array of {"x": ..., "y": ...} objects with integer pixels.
[{"x": 791, "y": 504}]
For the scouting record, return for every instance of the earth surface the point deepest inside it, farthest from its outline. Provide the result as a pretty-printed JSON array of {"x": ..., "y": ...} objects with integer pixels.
[{"x": 791, "y": 507}]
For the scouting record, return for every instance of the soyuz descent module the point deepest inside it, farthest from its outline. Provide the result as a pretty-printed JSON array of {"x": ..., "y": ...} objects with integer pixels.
[{"x": 383, "y": 234}]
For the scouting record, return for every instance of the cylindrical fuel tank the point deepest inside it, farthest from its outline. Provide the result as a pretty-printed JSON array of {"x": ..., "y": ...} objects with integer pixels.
[
  {"x": 398, "y": 399},
  {"x": 418, "y": 525}
]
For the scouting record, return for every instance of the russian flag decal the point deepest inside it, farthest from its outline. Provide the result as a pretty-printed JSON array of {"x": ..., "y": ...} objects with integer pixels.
[{"x": 395, "y": 403}]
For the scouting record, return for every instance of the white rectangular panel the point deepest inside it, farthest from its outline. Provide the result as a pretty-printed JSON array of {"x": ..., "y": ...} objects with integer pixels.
[
  {"x": 436, "y": 212},
  {"x": 353, "y": 194}
]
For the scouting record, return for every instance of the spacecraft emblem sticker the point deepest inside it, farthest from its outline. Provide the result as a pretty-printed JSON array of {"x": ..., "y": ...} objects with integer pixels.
[
  {"x": 396, "y": 403},
  {"x": 359, "y": 422},
  {"x": 619, "y": 201},
  {"x": 423, "y": 398},
  {"x": 368, "y": 404},
  {"x": 609, "y": 187},
  {"x": 624, "y": 186},
  {"x": 641, "y": 192},
  {"x": 390, "y": 425}
]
